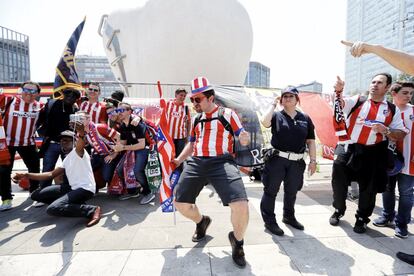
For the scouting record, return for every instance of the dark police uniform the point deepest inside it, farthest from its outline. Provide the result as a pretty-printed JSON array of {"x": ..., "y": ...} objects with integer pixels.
[{"x": 286, "y": 163}]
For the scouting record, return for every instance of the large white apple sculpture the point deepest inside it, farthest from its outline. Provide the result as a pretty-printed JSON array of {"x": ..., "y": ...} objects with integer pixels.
[{"x": 176, "y": 40}]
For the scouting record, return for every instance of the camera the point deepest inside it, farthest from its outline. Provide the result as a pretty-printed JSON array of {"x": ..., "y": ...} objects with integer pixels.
[{"x": 78, "y": 118}]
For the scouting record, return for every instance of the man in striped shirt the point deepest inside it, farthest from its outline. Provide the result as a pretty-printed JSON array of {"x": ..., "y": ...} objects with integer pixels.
[
  {"x": 401, "y": 93},
  {"x": 211, "y": 147},
  {"x": 20, "y": 117},
  {"x": 179, "y": 120},
  {"x": 95, "y": 109},
  {"x": 370, "y": 123}
]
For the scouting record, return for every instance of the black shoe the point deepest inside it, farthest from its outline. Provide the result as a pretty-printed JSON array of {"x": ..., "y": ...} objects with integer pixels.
[
  {"x": 334, "y": 219},
  {"x": 237, "y": 252},
  {"x": 361, "y": 225},
  {"x": 274, "y": 229},
  {"x": 408, "y": 258},
  {"x": 200, "y": 232},
  {"x": 294, "y": 223}
]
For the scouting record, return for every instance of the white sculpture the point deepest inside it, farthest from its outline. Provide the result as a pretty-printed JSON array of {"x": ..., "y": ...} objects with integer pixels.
[{"x": 176, "y": 40}]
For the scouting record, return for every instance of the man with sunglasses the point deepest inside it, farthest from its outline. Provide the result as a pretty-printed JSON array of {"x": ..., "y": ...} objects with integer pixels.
[
  {"x": 20, "y": 115},
  {"x": 211, "y": 149},
  {"x": 55, "y": 119},
  {"x": 93, "y": 107}
]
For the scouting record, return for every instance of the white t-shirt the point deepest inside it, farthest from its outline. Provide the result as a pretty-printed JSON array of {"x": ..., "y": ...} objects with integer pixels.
[{"x": 79, "y": 171}]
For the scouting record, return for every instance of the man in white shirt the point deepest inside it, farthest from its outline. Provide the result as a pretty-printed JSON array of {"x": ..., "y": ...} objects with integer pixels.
[{"x": 68, "y": 199}]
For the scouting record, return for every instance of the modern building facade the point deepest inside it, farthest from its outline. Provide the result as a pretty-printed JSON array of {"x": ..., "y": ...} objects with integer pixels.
[
  {"x": 14, "y": 56},
  {"x": 310, "y": 87},
  {"x": 389, "y": 23},
  {"x": 96, "y": 69},
  {"x": 258, "y": 75}
]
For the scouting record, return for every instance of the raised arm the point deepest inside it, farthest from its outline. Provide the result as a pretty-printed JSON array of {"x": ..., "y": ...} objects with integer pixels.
[{"x": 400, "y": 60}]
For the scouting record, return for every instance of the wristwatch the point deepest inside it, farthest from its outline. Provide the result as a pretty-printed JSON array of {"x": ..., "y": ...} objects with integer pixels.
[{"x": 313, "y": 161}]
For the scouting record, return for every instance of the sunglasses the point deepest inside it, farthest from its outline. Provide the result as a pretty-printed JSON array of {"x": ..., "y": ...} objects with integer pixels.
[
  {"x": 29, "y": 90},
  {"x": 197, "y": 100},
  {"x": 93, "y": 90}
]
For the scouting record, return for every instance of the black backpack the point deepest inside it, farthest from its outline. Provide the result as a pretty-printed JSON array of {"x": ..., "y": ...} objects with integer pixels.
[{"x": 220, "y": 117}]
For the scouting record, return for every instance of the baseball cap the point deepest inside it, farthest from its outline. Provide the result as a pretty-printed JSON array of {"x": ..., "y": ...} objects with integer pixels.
[{"x": 290, "y": 89}]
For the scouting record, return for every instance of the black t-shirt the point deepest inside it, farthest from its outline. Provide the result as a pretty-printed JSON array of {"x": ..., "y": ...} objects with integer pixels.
[
  {"x": 57, "y": 120},
  {"x": 291, "y": 134},
  {"x": 132, "y": 133}
]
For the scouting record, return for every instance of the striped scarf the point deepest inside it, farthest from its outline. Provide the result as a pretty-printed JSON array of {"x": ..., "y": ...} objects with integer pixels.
[
  {"x": 97, "y": 141},
  {"x": 339, "y": 121}
]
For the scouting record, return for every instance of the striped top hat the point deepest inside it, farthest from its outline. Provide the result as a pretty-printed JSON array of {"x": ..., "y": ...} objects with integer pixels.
[{"x": 199, "y": 85}]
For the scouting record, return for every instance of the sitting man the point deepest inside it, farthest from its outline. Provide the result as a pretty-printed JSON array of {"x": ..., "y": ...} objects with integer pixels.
[{"x": 68, "y": 199}]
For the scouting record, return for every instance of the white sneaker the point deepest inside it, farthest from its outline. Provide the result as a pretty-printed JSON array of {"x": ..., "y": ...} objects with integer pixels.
[
  {"x": 38, "y": 204},
  {"x": 7, "y": 205}
]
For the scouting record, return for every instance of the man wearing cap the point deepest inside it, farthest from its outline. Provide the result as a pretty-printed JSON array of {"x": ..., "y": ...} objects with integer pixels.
[
  {"x": 370, "y": 122},
  {"x": 292, "y": 132},
  {"x": 54, "y": 119},
  {"x": 402, "y": 94},
  {"x": 211, "y": 149},
  {"x": 179, "y": 120},
  {"x": 92, "y": 106},
  {"x": 20, "y": 115},
  {"x": 68, "y": 199}
]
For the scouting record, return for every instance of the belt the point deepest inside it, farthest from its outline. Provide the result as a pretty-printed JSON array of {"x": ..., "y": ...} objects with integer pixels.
[{"x": 290, "y": 155}]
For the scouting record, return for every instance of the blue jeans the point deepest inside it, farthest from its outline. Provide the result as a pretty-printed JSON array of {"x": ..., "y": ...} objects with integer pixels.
[
  {"x": 49, "y": 161},
  {"x": 405, "y": 202},
  {"x": 107, "y": 169},
  {"x": 141, "y": 159}
]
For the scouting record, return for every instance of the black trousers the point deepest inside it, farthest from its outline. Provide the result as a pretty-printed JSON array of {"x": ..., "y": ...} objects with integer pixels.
[
  {"x": 179, "y": 145},
  {"x": 30, "y": 158},
  {"x": 276, "y": 170},
  {"x": 365, "y": 164},
  {"x": 63, "y": 201}
]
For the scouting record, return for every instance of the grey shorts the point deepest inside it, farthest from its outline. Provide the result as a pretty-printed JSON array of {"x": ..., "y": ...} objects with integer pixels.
[{"x": 221, "y": 172}]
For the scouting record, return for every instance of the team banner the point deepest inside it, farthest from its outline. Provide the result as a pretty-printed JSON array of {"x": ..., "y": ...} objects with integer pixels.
[{"x": 66, "y": 76}]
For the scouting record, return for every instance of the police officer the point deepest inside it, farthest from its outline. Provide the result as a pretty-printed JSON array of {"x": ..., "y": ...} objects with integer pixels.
[{"x": 292, "y": 131}]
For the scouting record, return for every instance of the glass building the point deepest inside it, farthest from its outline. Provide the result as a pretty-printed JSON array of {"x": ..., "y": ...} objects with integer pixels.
[
  {"x": 97, "y": 69},
  {"x": 258, "y": 75},
  {"x": 14, "y": 56},
  {"x": 389, "y": 23}
]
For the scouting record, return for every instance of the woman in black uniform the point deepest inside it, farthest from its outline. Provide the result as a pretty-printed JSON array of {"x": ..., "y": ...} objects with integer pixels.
[{"x": 292, "y": 131}]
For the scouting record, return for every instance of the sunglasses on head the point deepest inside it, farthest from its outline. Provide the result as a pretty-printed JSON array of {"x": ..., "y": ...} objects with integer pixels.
[
  {"x": 29, "y": 90},
  {"x": 196, "y": 100}
]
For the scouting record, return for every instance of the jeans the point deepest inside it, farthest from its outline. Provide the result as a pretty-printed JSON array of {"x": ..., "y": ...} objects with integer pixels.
[
  {"x": 107, "y": 169},
  {"x": 31, "y": 160},
  {"x": 405, "y": 202},
  {"x": 52, "y": 154},
  {"x": 141, "y": 159},
  {"x": 63, "y": 201}
]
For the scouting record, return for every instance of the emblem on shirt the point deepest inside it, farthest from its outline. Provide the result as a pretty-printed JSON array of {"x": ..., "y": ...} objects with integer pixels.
[
  {"x": 385, "y": 112},
  {"x": 412, "y": 117}
]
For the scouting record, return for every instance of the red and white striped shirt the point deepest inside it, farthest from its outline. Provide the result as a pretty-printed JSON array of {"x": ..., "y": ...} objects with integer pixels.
[
  {"x": 406, "y": 146},
  {"x": 97, "y": 111},
  {"x": 20, "y": 120},
  {"x": 211, "y": 138},
  {"x": 177, "y": 119},
  {"x": 361, "y": 120}
]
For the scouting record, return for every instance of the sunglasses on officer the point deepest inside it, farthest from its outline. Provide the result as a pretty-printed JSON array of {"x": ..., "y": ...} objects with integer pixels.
[
  {"x": 197, "y": 99},
  {"x": 29, "y": 90}
]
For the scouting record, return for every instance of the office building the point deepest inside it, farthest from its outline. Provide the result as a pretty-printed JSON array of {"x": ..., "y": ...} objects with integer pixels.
[
  {"x": 96, "y": 69},
  {"x": 14, "y": 56},
  {"x": 310, "y": 87},
  {"x": 258, "y": 75},
  {"x": 389, "y": 23}
]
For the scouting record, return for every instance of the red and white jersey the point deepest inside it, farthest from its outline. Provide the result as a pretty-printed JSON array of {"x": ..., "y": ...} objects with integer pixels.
[
  {"x": 406, "y": 146},
  {"x": 361, "y": 120},
  {"x": 211, "y": 138},
  {"x": 96, "y": 111},
  {"x": 178, "y": 117},
  {"x": 19, "y": 120}
]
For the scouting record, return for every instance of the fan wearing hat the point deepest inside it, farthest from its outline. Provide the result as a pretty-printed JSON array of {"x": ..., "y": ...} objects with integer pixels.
[
  {"x": 54, "y": 119},
  {"x": 68, "y": 199},
  {"x": 211, "y": 161},
  {"x": 403, "y": 172},
  {"x": 292, "y": 133}
]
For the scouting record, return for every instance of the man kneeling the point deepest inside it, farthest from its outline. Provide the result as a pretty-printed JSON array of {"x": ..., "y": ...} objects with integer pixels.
[{"x": 68, "y": 199}]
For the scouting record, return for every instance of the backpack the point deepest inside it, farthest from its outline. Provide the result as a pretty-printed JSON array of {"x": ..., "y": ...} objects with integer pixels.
[{"x": 220, "y": 117}]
